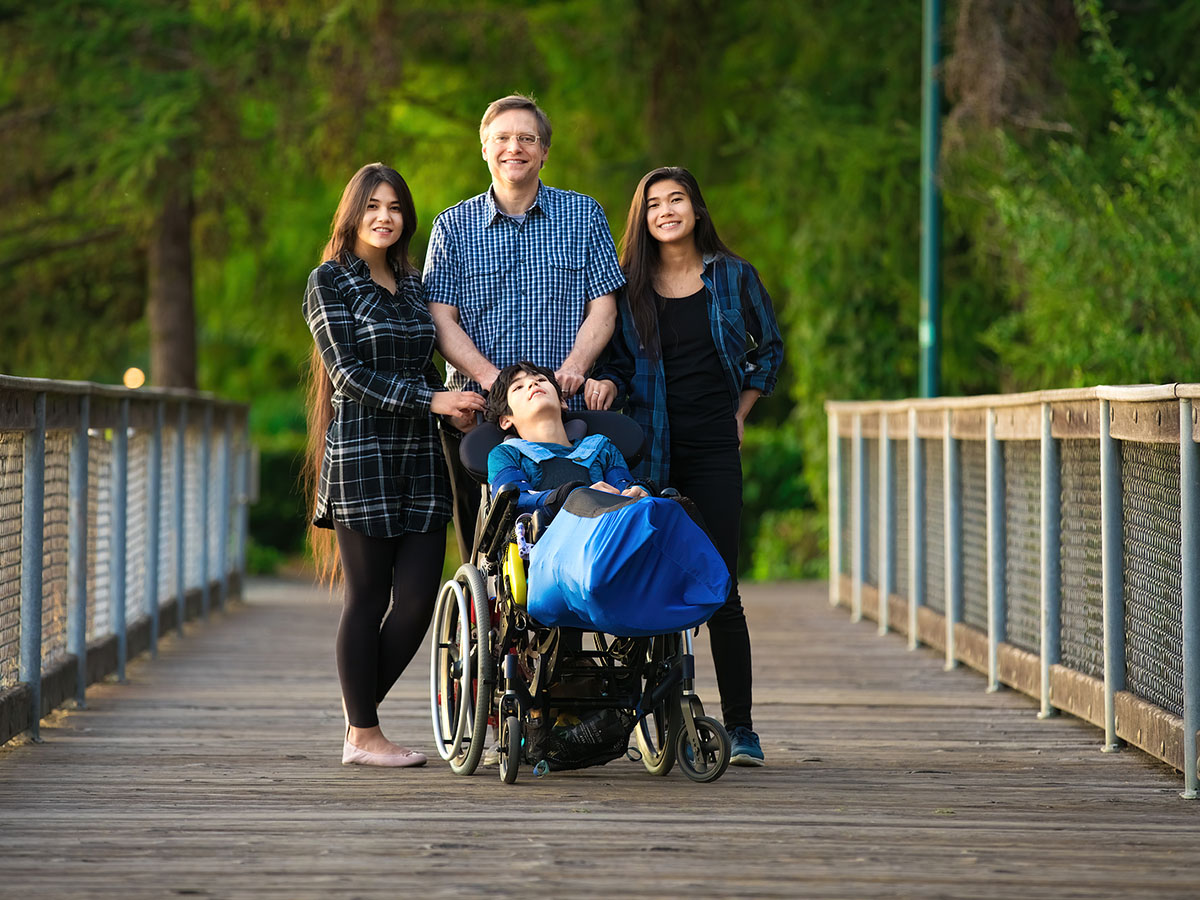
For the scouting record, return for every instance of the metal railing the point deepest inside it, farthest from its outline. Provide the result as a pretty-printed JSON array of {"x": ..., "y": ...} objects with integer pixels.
[
  {"x": 122, "y": 514},
  {"x": 1050, "y": 540}
]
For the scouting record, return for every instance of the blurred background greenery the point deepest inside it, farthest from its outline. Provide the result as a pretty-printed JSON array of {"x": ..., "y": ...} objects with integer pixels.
[{"x": 1071, "y": 246}]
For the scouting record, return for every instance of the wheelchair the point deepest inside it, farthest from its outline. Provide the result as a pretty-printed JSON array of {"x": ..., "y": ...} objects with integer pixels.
[{"x": 493, "y": 664}]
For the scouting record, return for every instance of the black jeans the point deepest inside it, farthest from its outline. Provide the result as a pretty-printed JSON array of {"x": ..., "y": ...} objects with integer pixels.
[
  {"x": 374, "y": 645},
  {"x": 712, "y": 478}
]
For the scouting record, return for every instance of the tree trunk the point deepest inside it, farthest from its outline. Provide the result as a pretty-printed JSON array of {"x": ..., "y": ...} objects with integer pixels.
[{"x": 171, "y": 307}]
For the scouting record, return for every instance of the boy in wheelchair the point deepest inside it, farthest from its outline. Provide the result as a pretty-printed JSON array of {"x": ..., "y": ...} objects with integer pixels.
[
  {"x": 631, "y": 569},
  {"x": 543, "y": 462}
]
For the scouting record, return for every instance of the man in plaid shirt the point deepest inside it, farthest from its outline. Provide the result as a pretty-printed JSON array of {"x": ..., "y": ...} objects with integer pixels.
[{"x": 522, "y": 271}]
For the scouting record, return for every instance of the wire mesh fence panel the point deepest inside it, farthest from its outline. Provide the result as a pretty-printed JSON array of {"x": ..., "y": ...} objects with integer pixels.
[
  {"x": 12, "y": 468},
  {"x": 900, "y": 523},
  {"x": 1022, "y": 543},
  {"x": 973, "y": 471},
  {"x": 844, "y": 505},
  {"x": 167, "y": 501},
  {"x": 99, "y": 539},
  {"x": 935, "y": 530},
  {"x": 216, "y": 489},
  {"x": 135, "y": 526},
  {"x": 1080, "y": 557},
  {"x": 191, "y": 490},
  {"x": 871, "y": 464},
  {"x": 55, "y": 549},
  {"x": 1153, "y": 592}
]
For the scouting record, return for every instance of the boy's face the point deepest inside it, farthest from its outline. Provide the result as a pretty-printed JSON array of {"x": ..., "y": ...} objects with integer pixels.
[{"x": 530, "y": 395}]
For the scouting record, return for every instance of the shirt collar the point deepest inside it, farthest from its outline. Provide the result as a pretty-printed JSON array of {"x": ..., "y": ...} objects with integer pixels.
[
  {"x": 542, "y": 203},
  {"x": 358, "y": 266}
]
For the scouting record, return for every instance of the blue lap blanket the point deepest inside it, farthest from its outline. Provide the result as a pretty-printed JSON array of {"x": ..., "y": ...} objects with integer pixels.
[{"x": 624, "y": 567}]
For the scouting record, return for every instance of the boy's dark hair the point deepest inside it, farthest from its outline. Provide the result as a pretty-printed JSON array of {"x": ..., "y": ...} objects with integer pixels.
[{"x": 497, "y": 398}]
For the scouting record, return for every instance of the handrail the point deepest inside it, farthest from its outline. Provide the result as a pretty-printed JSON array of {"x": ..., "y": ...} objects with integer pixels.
[
  {"x": 1049, "y": 539},
  {"x": 123, "y": 513}
]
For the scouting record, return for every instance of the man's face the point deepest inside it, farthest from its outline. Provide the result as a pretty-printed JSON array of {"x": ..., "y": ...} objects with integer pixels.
[
  {"x": 530, "y": 395},
  {"x": 514, "y": 164}
]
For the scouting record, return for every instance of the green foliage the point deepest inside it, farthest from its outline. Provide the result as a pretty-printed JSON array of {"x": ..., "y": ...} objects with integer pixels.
[
  {"x": 1104, "y": 238},
  {"x": 1069, "y": 257}
]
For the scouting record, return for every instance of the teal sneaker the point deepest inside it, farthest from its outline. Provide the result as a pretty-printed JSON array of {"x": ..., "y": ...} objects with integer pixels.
[{"x": 746, "y": 749}]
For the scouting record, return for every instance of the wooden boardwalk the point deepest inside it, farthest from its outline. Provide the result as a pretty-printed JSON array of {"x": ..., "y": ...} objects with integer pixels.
[{"x": 215, "y": 773}]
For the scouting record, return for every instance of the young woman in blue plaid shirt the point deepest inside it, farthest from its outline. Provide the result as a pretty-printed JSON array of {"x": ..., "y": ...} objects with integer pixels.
[
  {"x": 696, "y": 346},
  {"x": 374, "y": 458}
]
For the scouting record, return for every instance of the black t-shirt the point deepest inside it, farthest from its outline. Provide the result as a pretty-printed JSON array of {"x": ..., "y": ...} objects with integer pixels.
[{"x": 699, "y": 408}]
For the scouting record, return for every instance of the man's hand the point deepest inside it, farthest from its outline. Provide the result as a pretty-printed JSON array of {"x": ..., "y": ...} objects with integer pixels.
[
  {"x": 599, "y": 394},
  {"x": 635, "y": 490},
  {"x": 570, "y": 379}
]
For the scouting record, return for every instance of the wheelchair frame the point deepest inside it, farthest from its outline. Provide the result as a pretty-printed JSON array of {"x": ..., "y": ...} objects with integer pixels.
[{"x": 492, "y": 663}]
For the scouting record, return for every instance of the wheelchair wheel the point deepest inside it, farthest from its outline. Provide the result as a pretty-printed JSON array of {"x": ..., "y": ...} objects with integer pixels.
[
  {"x": 461, "y": 671},
  {"x": 709, "y": 761},
  {"x": 510, "y": 749},
  {"x": 657, "y": 733}
]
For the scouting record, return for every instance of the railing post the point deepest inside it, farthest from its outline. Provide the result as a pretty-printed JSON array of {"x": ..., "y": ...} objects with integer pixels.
[
  {"x": 916, "y": 528},
  {"x": 1189, "y": 520},
  {"x": 226, "y": 502},
  {"x": 33, "y": 499},
  {"x": 1112, "y": 540},
  {"x": 77, "y": 515},
  {"x": 180, "y": 513},
  {"x": 887, "y": 512},
  {"x": 953, "y": 522},
  {"x": 858, "y": 520},
  {"x": 120, "y": 507},
  {"x": 205, "y": 524},
  {"x": 997, "y": 602},
  {"x": 1051, "y": 539},
  {"x": 835, "y": 511},
  {"x": 154, "y": 521}
]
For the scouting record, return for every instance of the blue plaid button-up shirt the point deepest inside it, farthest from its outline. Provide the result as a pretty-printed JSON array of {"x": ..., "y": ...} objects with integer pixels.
[
  {"x": 748, "y": 343},
  {"x": 521, "y": 287}
]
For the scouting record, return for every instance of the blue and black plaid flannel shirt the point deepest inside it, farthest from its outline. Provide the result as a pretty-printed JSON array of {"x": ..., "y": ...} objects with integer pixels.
[{"x": 748, "y": 343}]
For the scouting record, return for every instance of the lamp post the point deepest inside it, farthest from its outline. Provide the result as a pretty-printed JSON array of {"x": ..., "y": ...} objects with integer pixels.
[{"x": 930, "y": 329}]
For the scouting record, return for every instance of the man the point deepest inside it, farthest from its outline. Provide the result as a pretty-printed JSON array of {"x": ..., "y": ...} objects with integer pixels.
[{"x": 522, "y": 271}]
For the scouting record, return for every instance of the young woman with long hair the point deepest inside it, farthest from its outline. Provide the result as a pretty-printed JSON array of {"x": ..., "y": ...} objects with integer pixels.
[
  {"x": 696, "y": 346},
  {"x": 375, "y": 467}
]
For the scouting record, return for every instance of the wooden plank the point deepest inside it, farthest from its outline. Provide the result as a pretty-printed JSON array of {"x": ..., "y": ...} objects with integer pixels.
[
  {"x": 1075, "y": 419},
  {"x": 1147, "y": 423},
  {"x": 215, "y": 772},
  {"x": 1019, "y": 423}
]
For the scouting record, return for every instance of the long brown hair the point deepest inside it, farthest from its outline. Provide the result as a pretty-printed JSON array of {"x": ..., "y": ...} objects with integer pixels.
[
  {"x": 639, "y": 251},
  {"x": 343, "y": 234}
]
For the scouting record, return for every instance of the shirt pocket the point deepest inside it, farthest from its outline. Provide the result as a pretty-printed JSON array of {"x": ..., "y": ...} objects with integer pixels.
[
  {"x": 567, "y": 274},
  {"x": 482, "y": 285}
]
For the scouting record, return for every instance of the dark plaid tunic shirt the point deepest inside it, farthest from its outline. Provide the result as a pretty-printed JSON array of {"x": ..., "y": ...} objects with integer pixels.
[{"x": 383, "y": 473}]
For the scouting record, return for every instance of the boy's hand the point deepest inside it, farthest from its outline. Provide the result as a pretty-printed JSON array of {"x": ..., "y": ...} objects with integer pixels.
[
  {"x": 635, "y": 490},
  {"x": 605, "y": 486}
]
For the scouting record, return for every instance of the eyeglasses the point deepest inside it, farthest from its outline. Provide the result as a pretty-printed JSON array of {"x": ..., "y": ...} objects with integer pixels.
[{"x": 525, "y": 138}]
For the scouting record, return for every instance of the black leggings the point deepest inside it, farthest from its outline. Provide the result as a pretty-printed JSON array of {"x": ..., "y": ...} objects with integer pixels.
[
  {"x": 712, "y": 478},
  {"x": 373, "y": 644}
]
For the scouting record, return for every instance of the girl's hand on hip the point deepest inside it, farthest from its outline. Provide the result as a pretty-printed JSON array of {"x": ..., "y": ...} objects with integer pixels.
[{"x": 599, "y": 394}]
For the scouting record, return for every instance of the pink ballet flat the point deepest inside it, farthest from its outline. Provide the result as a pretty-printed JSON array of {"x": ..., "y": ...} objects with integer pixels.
[{"x": 356, "y": 756}]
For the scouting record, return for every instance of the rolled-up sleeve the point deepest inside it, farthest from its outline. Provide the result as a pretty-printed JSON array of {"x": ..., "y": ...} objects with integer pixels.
[
  {"x": 333, "y": 328},
  {"x": 604, "y": 273},
  {"x": 761, "y": 367},
  {"x": 443, "y": 276}
]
